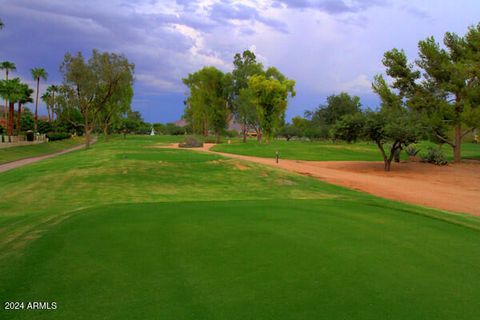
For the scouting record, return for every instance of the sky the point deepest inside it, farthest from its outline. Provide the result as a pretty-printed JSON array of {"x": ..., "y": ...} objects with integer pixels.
[{"x": 326, "y": 46}]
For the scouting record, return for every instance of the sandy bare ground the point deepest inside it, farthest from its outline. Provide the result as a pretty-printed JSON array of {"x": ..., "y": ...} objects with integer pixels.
[
  {"x": 454, "y": 187},
  {"x": 19, "y": 163}
]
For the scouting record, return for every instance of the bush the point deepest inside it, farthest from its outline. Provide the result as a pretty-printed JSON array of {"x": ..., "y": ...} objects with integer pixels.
[
  {"x": 173, "y": 129},
  {"x": 58, "y": 136},
  {"x": 435, "y": 156},
  {"x": 230, "y": 134},
  {"x": 44, "y": 126},
  {"x": 191, "y": 142},
  {"x": 412, "y": 150}
]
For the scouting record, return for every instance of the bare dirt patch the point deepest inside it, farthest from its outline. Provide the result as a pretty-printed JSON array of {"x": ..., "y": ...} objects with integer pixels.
[
  {"x": 455, "y": 187},
  {"x": 241, "y": 167}
]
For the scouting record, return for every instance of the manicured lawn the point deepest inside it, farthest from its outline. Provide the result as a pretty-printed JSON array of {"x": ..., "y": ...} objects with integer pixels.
[
  {"x": 22, "y": 152},
  {"x": 126, "y": 231},
  {"x": 327, "y": 151}
]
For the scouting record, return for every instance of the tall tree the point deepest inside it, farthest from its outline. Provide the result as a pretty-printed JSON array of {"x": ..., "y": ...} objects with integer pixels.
[
  {"x": 47, "y": 99},
  {"x": 52, "y": 90},
  {"x": 271, "y": 99},
  {"x": 37, "y": 74},
  {"x": 118, "y": 104},
  {"x": 208, "y": 102},
  {"x": 7, "y": 66},
  {"x": 245, "y": 66},
  {"x": 337, "y": 106},
  {"x": 25, "y": 97},
  {"x": 447, "y": 94},
  {"x": 11, "y": 90},
  {"x": 89, "y": 85}
]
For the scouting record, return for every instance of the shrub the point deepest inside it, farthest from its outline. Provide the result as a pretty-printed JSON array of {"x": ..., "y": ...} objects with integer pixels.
[
  {"x": 191, "y": 142},
  {"x": 230, "y": 133},
  {"x": 435, "y": 156},
  {"x": 412, "y": 150},
  {"x": 58, "y": 136}
]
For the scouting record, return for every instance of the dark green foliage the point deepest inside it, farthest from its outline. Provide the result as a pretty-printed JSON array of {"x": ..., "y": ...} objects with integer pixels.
[
  {"x": 435, "y": 156},
  {"x": 315, "y": 132},
  {"x": 230, "y": 133},
  {"x": 58, "y": 136},
  {"x": 44, "y": 126},
  {"x": 26, "y": 121},
  {"x": 132, "y": 122},
  {"x": 412, "y": 150},
  {"x": 447, "y": 95},
  {"x": 337, "y": 106},
  {"x": 349, "y": 128}
]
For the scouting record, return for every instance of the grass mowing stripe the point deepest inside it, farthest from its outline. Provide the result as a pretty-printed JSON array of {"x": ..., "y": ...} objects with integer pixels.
[{"x": 277, "y": 259}]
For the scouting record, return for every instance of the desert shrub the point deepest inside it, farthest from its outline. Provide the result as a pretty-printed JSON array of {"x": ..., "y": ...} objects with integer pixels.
[
  {"x": 435, "y": 156},
  {"x": 412, "y": 150},
  {"x": 191, "y": 142},
  {"x": 58, "y": 136}
]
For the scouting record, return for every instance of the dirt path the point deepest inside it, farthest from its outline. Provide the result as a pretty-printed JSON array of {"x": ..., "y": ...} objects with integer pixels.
[
  {"x": 453, "y": 187},
  {"x": 22, "y": 162}
]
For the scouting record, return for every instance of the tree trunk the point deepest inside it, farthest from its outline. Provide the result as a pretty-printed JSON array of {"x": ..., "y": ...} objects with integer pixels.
[
  {"x": 387, "y": 164},
  {"x": 105, "y": 132},
  {"x": 11, "y": 110},
  {"x": 48, "y": 111},
  {"x": 218, "y": 138},
  {"x": 205, "y": 128},
  {"x": 53, "y": 104},
  {"x": 5, "y": 110},
  {"x": 19, "y": 117},
  {"x": 244, "y": 131},
  {"x": 35, "y": 125},
  {"x": 457, "y": 146},
  {"x": 88, "y": 131},
  {"x": 396, "y": 156}
]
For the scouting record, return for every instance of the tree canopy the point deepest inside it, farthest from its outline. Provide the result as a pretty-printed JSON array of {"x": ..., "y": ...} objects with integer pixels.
[
  {"x": 445, "y": 88},
  {"x": 89, "y": 86}
]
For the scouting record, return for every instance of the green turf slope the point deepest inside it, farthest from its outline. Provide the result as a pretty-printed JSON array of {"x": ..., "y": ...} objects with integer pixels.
[
  {"x": 127, "y": 231},
  {"x": 328, "y": 151}
]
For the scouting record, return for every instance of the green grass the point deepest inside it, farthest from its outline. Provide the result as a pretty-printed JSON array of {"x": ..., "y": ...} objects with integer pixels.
[
  {"x": 328, "y": 151},
  {"x": 21, "y": 152},
  {"x": 126, "y": 231}
]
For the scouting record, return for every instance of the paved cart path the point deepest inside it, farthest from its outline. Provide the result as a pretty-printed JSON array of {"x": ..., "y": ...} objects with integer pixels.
[
  {"x": 22, "y": 162},
  {"x": 455, "y": 187}
]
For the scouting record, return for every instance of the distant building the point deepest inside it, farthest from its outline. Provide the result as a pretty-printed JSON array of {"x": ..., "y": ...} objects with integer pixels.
[{"x": 181, "y": 123}]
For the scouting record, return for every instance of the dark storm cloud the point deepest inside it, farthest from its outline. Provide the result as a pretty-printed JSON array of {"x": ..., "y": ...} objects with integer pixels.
[{"x": 331, "y": 6}]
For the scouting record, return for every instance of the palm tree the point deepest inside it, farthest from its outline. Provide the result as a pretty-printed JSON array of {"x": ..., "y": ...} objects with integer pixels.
[
  {"x": 52, "y": 89},
  {"x": 7, "y": 66},
  {"x": 38, "y": 73},
  {"x": 47, "y": 99},
  {"x": 26, "y": 97},
  {"x": 10, "y": 90}
]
